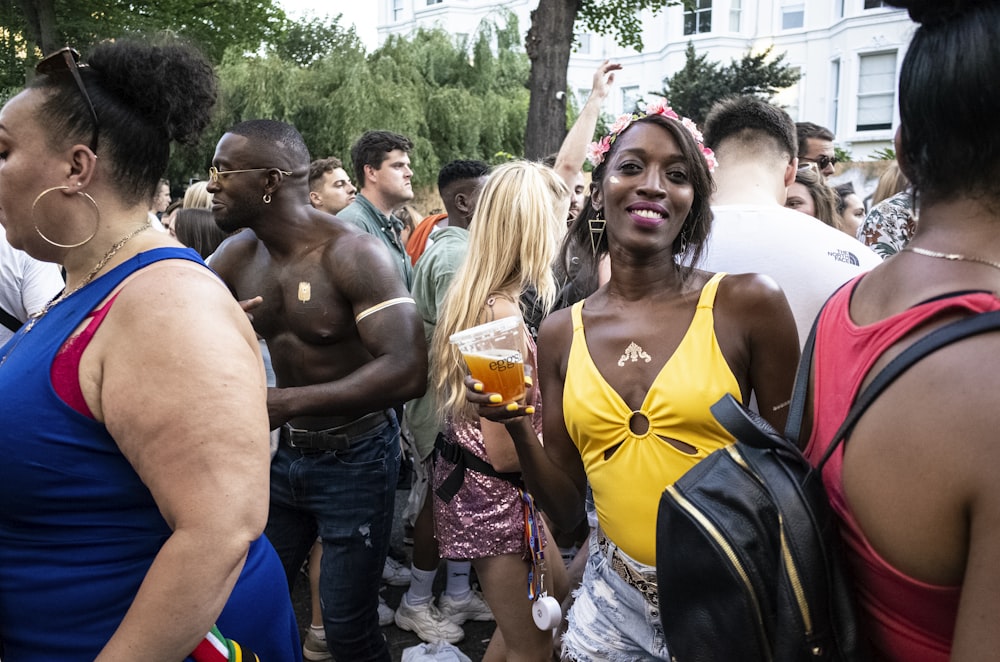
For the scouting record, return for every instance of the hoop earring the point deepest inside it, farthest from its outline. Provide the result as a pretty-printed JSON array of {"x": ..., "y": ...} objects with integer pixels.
[
  {"x": 596, "y": 232},
  {"x": 267, "y": 198},
  {"x": 56, "y": 243}
]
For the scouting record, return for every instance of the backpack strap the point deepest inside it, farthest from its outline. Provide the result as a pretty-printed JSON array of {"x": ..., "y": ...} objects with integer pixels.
[
  {"x": 465, "y": 460},
  {"x": 10, "y": 321},
  {"x": 946, "y": 335}
]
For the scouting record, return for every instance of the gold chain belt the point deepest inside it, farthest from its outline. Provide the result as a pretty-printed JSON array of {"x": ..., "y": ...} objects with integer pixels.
[{"x": 634, "y": 578}]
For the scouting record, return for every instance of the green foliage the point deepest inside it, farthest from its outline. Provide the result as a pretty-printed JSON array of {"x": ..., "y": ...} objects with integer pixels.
[
  {"x": 453, "y": 98},
  {"x": 306, "y": 40},
  {"x": 621, "y": 19},
  {"x": 843, "y": 156},
  {"x": 700, "y": 83},
  {"x": 884, "y": 154}
]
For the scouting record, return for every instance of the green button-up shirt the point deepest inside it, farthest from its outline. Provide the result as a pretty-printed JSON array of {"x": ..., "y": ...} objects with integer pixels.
[{"x": 363, "y": 214}]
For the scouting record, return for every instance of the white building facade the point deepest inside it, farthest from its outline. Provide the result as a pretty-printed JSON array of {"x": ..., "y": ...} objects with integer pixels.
[{"x": 848, "y": 52}]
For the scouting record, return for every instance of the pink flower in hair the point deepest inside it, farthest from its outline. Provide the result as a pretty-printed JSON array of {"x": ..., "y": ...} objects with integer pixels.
[
  {"x": 597, "y": 151},
  {"x": 620, "y": 124}
]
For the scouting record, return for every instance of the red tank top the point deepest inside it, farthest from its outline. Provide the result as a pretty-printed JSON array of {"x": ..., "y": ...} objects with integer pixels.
[
  {"x": 906, "y": 619},
  {"x": 65, "y": 371}
]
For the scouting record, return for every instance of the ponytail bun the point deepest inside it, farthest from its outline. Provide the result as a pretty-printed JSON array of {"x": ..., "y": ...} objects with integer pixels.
[{"x": 167, "y": 84}]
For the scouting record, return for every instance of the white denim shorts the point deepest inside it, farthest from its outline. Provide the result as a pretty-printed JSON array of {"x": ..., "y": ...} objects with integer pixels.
[{"x": 610, "y": 620}]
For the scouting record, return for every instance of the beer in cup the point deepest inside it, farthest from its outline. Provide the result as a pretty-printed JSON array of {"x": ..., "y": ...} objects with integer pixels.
[{"x": 494, "y": 353}]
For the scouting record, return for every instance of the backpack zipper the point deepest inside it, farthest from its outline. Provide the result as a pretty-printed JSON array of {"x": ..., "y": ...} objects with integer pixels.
[
  {"x": 730, "y": 553},
  {"x": 786, "y": 553}
]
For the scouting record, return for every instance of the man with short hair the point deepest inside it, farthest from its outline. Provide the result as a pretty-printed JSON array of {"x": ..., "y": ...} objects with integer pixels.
[
  {"x": 459, "y": 183},
  {"x": 382, "y": 168},
  {"x": 816, "y": 146},
  {"x": 330, "y": 189},
  {"x": 347, "y": 346},
  {"x": 752, "y": 231}
]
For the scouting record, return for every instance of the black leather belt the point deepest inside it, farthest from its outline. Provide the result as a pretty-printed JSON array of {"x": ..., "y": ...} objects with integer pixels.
[{"x": 337, "y": 438}]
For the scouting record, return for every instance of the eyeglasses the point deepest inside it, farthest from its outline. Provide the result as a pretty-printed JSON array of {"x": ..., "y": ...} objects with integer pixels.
[
  {"x": 214, "y": 173},
  {"x": 68, "y": 59},
  {"x": 823, "y": 161}
]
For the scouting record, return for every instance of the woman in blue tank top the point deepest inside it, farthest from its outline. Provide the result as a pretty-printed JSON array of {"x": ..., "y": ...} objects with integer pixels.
[{"x": 133, "y": 422}]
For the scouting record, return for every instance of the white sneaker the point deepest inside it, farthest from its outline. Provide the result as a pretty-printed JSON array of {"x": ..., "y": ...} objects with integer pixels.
[
  {"x": 472, "y": 608},
  {"x": 395, "y": 573},
  {"x": 314, "y": 648},
  {"x": 427, "y": 622},
  {"x": 385, "y": 613}
]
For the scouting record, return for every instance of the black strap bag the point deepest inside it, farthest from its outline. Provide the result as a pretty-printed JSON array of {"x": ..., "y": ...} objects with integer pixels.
[{"x": 748, "y": 553}]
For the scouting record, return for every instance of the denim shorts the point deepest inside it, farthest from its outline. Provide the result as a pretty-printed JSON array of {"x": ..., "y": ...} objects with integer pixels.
[{"x": 610, "y": 620}]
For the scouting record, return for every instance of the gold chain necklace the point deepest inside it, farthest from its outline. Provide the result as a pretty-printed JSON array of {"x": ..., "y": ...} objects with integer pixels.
[
  {"x": 954, "y": 257},
  {"x": 117, "y": 246}
]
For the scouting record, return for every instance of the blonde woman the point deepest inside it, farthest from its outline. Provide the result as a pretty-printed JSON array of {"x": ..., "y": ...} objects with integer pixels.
[{"x": 513, "y": 239}]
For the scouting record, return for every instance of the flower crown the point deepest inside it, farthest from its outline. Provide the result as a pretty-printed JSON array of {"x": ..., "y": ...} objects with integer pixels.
[{"x": 597, "y": 150}]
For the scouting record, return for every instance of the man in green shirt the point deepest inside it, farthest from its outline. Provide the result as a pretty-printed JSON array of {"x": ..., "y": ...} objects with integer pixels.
[{"x": 381, "y": 162}]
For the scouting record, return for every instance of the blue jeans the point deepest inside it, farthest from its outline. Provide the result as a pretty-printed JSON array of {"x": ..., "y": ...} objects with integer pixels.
[{"x": 347, "y": 497}]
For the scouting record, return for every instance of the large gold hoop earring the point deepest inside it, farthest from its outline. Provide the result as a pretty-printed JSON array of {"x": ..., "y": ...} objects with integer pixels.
[{"x": 56, "y": 243}]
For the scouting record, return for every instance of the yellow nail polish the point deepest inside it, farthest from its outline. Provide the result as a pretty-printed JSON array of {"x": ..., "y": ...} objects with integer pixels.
[
  {"x": 529, "y": 410},
  {"x": 528, "y": 381},
  {"x": 496, "y": 398},
  {"x": 477, "y": 387},
  {"x": 512, "y": 406}
]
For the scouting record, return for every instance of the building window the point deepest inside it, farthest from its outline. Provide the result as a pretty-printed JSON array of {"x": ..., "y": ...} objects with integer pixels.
[
  {"x": 874, "y": 4},
  {"x": 698, "y": 18},
  {"x": 397, "y": 10},
  {"x": 735, "y": 15},
  {"x": 630, "y": 97},
  {"x": 583, "y": 43},
  {"x": 433, "y": 2},
  {"x": 876, "y": 91},
  {"x": 840, "y": 8},
  {"x": 793, "y": 16},
  {"x": 834, "y": 93}
]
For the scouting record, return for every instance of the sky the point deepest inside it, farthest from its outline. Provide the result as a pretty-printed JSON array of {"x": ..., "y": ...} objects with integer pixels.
[{"x": 363, "y": 14}]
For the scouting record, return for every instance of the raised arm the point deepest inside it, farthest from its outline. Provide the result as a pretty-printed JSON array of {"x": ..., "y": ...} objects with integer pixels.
[{"x": 573, "y": 151}]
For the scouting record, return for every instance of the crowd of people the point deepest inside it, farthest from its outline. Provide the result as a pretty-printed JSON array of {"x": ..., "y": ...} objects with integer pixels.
[{"x": 203, "y": 398}]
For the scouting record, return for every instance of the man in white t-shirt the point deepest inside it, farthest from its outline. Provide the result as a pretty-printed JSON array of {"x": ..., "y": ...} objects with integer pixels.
[
  {"x": 26, "y": 285},
  {"x": 752, "y": 231}
]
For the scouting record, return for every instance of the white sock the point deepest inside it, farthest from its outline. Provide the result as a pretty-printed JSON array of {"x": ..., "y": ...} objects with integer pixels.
[
  {"x": 457, "y": 586},
  {"x": 318, "y": 631},
  {"x": 421, "y": 589}
]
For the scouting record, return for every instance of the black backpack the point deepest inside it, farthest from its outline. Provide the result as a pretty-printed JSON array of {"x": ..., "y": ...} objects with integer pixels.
[{"x": 748, "y": 551}]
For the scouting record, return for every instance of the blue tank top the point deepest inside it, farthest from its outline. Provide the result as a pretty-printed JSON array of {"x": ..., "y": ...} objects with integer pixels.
[{"x": 78, "y": 528}]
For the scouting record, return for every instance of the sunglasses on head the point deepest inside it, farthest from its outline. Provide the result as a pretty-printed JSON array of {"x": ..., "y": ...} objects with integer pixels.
[
  {"x": 823, "y": 161},
  {"x": 68, "y": 60}
]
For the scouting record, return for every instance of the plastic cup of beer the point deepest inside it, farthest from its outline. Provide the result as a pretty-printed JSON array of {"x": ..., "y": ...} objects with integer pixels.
[{"x": 494, "y": 354}]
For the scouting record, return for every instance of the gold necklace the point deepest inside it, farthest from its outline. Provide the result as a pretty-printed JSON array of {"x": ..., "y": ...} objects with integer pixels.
[
  {"x": 954, "y": 257},
  {"x": 117, "y": 246}
]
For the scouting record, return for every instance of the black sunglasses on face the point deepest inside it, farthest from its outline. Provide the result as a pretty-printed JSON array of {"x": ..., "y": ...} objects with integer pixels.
[
  {"x": 823, "y": 161},
  {"x": 61, "y": 61}
]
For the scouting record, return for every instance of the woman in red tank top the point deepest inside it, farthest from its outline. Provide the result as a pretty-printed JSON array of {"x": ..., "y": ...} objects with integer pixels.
[{"x": 915, "y": 485}]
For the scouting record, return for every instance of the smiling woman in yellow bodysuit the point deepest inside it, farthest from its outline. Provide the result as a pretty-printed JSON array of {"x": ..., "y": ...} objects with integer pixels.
[{"x": 630, "y": 373}]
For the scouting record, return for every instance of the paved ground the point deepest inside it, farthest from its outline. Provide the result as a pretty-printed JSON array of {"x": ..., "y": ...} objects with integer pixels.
[{"x": 477, "y": 635}]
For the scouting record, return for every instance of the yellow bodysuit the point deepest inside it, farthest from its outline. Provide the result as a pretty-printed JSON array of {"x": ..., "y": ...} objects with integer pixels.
[{"x": 627, "y": 486}]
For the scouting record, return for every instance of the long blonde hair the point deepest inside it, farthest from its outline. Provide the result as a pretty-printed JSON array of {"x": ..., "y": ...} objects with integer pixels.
[{"x": 513, "y": 239}]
